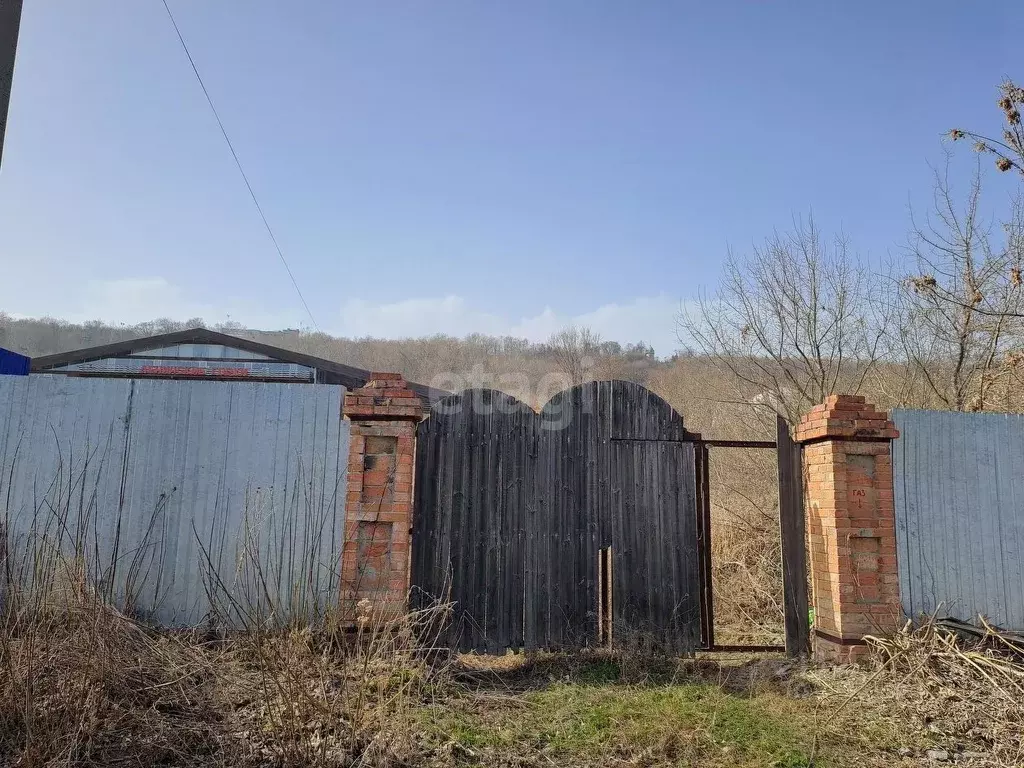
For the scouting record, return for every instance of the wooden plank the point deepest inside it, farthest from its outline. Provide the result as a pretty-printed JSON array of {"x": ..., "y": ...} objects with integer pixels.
[
  {"x": 447, "y": 550},
  {"x": 425, "y": 524},
  {"x": 625, "y": 559},
  {"x": 604, "y": 495},
  {"x": 533, "y": 485},
  {"x": 656, "y": 585},
  {"x": 679, "y": 460},
  {"x": 503, "y": 543},
  {"x": 591, "y": 505},
  {"x": 515, "y": 513},
  {"x": 478, "y": 551},
  {"x": 794, "y": 552},
  {"x": 620, "y": 589},
  {"x": 604, "y": 484},
  {"x": 640, "y": 536},
  {"x": 421, "y": 533},
  {"x": 629, "y": 560},
  {"x": 575, "y": 461},
  {"x": 546, "y": 508},
  {"x": 553, "y": 542},
  {"x": 624, "y": 554},
  {"x": 659, "y": 618},
  {"x": 670, "y": 542},
  {"x": 566, "y": 546},
  {"x": 461, "y": 439},
  {"x": 684, "y": 515},
  {"x": 493, "y": 576},
  {"x": 643, "y": 569},
  {"x": 559, "y": 451},
  {"x": 444, "y": 512},
  {"x": 556, "y": 556},
  {"x": 438, "y": 558},
  {"x": 438, "y": 520},
  {"x": 581, "y": 586}
]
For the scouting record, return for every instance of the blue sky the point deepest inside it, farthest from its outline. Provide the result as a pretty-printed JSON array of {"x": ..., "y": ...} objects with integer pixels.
[{"x": 466, "y": 165}]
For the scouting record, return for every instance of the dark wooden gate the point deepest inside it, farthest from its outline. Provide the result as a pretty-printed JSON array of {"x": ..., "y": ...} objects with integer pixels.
[{"x": 561, "y": 529}]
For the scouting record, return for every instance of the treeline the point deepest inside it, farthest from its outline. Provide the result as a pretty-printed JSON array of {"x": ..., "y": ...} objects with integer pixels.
[{"x": 575, "y": 354}]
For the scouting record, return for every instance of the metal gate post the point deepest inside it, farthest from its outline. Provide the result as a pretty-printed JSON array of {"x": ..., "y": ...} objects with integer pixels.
[{"x": 707, "y": 599}]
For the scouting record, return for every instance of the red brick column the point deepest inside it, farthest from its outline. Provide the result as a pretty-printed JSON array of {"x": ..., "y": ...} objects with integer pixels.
[
  {"x": 851, "y": 524},
  {"x": 378, "y": 505}
]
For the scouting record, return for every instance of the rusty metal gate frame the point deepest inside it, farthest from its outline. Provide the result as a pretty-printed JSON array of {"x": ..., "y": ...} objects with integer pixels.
[{"x": 792, "y": 532}]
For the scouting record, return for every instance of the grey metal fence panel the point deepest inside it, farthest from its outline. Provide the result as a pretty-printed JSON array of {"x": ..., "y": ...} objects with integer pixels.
[
  {"x": 959, "y": 493},
  {"x": 179, "y": 497}
]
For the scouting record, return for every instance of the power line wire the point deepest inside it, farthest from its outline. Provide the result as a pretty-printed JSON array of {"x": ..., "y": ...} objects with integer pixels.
[{"x": 238, "y": 163}]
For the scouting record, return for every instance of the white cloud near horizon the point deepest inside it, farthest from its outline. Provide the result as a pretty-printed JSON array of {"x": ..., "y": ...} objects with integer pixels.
[
  {"x": 141, "y": 299},
  {"x": 650, "y": 319}
]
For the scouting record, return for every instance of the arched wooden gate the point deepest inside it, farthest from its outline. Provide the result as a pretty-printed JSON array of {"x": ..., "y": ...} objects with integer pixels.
[{"x": 565, "y": 528}]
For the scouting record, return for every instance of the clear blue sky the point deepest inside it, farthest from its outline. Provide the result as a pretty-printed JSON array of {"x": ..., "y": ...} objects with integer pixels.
[{"x": 467, "y": 165}]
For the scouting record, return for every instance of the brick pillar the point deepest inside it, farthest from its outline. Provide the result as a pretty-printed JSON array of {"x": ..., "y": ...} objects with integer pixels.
[
  {"x": 378, "y": 506},
  {"x": 851, "y": 525}
]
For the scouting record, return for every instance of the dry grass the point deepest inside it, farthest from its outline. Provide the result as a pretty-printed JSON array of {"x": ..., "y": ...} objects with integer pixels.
[
  {"x": 317, "y": 698},
  {"x": 940, "y": 696},
  {"x": 82, "y": 684},
  {"x": 746, "y": 552},
  {"x": 965, "y": 691}
]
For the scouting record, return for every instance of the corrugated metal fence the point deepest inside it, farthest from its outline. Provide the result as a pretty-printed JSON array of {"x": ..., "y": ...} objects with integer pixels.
[
  {"x": 178, "y": 497},
  {"x": 959, "y": 487}
]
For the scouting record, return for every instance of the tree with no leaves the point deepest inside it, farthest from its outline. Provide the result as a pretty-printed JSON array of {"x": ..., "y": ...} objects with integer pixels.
[
  {"x": 1008, "y": 151},
  {"x": 574, "y": 349},
  {"x": 793, "y": 321},
  {"x": 959, "y": 318}
]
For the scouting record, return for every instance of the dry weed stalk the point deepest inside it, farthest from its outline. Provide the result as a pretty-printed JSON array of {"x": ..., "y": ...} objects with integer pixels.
[
  {"x": 289, "y": 681},
  {"x": 82, "y": 684},
  {"x": 967, "y": 689},
  {"x": 315, "y": 697}
]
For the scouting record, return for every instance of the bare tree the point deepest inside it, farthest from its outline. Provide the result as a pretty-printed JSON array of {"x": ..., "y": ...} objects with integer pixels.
[
  {"x": 1009, "y": 150},
  {"x": 959, "y": 317},
  {"x": 574, "y": 350},
  {"x": 792, "y": 322}
]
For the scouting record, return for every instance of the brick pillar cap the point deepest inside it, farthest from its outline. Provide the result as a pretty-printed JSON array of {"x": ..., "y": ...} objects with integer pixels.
[
  {"x": 845, "y": 417},
  {"x": 386, "y": 396}
]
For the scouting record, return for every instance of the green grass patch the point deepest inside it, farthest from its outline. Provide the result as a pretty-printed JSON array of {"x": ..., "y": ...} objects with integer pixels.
[{"x": 584, "y": 722}]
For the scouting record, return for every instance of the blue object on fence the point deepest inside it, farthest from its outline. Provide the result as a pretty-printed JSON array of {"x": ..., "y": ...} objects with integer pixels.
[{"x": 13, "y": 364}]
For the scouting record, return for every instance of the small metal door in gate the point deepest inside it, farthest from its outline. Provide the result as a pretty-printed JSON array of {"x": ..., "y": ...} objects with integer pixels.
[{"x": 568, "y": 528}]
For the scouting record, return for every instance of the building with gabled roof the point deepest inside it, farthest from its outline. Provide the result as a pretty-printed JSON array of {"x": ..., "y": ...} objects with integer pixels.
[{"x": 199, "y": 353}]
